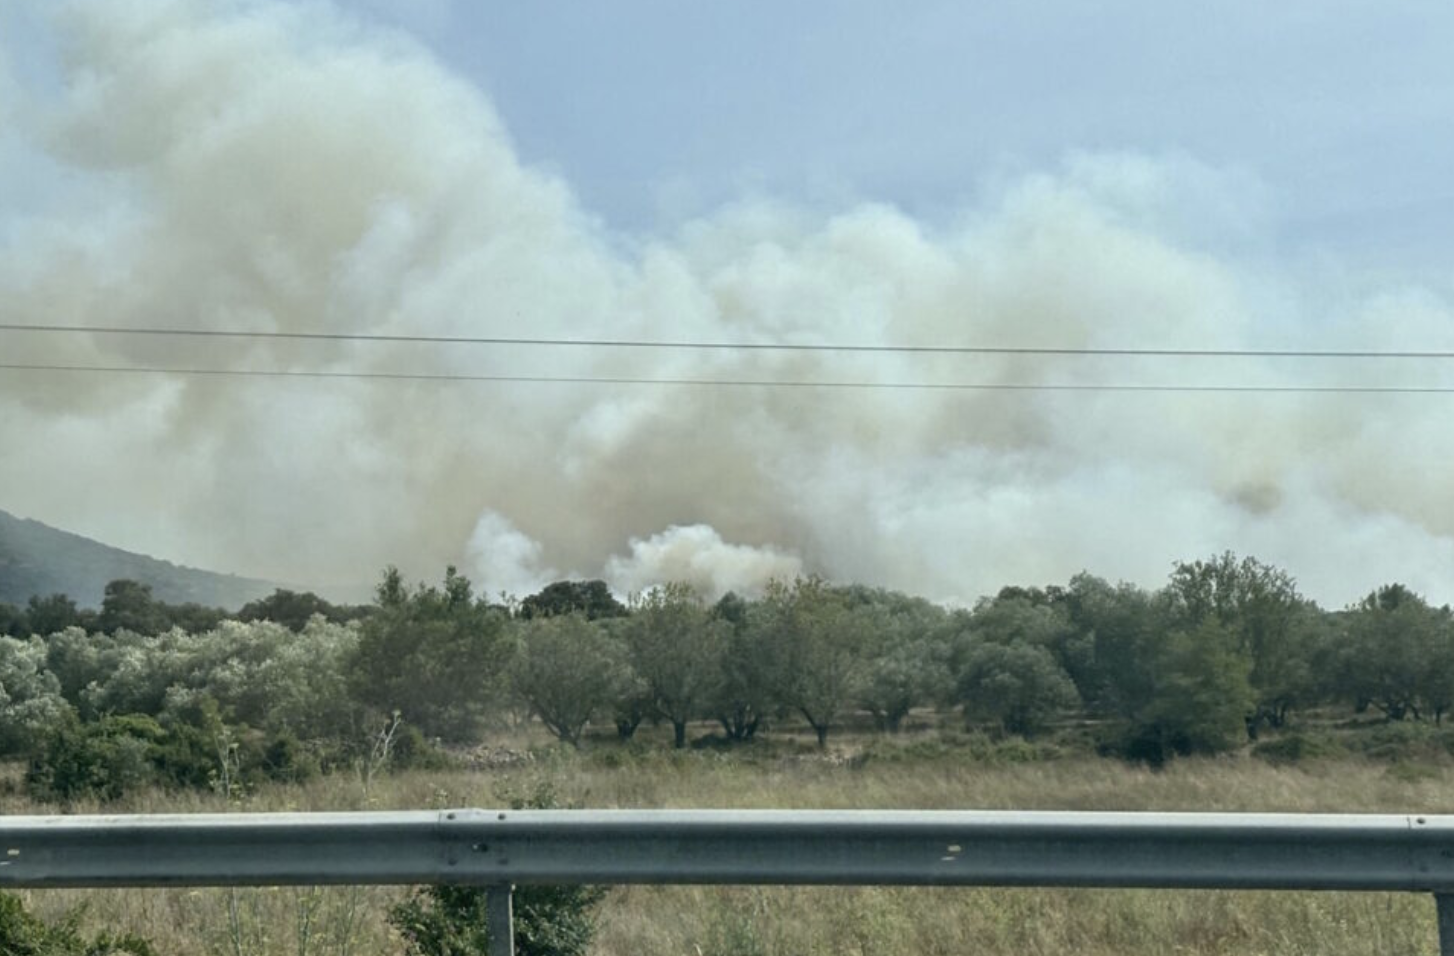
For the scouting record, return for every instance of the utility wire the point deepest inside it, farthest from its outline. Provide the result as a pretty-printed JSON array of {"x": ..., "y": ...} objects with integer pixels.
[
  {"x": 732, "y": 383},
  {"x": 729, "y": 346}
]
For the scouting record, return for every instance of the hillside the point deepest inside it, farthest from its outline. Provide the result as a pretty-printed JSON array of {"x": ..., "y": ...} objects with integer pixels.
[{"x": 38, "y": 559}]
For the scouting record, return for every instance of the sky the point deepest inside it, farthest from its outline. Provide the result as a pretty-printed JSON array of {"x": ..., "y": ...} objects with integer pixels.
[{"x": 1135, "y": 175}]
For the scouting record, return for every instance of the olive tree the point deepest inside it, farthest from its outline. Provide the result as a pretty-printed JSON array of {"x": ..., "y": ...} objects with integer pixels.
[
  {"x": 31, "y": 704},
  {"x": 1019, "y": 685},
  {"x": 817, "y": 641},
  {"x": 676, "y": 647},
  {"x": 1398, "y": 654},
  {"x": 745, "y": 692},
  {"x": 906, "y": 657},
  {"x": 569, "y": 669}
]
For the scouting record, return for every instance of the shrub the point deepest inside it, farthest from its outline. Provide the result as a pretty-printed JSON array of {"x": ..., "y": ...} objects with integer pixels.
[
  {"x": 23, "y": 934},
  {"x": 111, "y": 757},
  {"x": 284, "y": 757},
  {"x": 105, "y": 759},
  {"x": 413, "y": 751},
  {"x": 549, "y": 920},
  {"x": 450, "y": 920}
]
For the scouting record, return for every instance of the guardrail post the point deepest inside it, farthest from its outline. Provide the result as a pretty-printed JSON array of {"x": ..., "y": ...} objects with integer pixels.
[
  {"x": 1445, "y": 904},
  {"x": 499, "y": 913}
]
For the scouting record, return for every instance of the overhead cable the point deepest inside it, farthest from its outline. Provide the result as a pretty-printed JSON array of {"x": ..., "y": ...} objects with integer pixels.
[
  {"x": 444, "y": 377},
  {"x": 602, "y": 343}
]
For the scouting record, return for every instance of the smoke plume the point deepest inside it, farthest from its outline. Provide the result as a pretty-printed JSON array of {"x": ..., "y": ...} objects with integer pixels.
[{"x": 275, "y": 167}]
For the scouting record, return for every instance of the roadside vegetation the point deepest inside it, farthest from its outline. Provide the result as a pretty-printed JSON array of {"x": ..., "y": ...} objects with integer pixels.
[
  {"x": 1224, "y": 689},
  {"x": 1226, "y": 654},
  {"x": 919, "y": 770}
]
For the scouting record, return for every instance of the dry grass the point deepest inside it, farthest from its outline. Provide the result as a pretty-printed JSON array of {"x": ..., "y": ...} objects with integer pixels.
[{"x": 746, "y": 921}]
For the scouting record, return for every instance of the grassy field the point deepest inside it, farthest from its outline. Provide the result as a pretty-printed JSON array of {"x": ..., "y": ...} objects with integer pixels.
[{"x": 746, "y": 921}]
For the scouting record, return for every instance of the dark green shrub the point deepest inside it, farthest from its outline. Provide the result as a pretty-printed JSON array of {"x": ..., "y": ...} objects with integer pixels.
[
  {"x": 1137, "y": 743},
  {"x": 412, "y": 751},
  {"x": 284, "y": 757},
  {"x": 22, "y": 934},
  {"x": 188, "y": 757},
  {"x": 450, "y": 920},
  {"x": 116, "y": 755},
  {"x": 105, "y": 759},
  {"x": 549, "y": 920}
]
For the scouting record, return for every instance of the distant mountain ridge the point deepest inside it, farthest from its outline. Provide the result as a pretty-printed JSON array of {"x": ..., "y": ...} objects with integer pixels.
[{"x": 36, "y": 559}]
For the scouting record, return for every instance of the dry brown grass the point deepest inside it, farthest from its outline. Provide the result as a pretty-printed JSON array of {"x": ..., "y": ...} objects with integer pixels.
[{"x": 745, "y": 921}]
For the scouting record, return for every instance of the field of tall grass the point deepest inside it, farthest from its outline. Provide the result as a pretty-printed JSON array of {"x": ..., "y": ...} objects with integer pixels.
[{"x": 747, "y": 921}]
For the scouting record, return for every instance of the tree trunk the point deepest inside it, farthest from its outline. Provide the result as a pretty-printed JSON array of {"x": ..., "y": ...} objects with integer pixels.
[{"x": 679, "y": 734}]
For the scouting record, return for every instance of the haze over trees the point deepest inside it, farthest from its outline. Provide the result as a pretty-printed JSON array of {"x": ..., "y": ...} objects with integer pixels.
[{"x": 1227, "y": 651}]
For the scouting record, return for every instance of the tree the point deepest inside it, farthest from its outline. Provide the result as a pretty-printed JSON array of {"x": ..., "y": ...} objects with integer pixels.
[
  {"x": 74, "y": 657},
  {"x": 1202, "y": 696},
  {"x": 1117, "y": 633},
  {"x": 47, "y": 615},
  {"x": 676, "y": 647},
  {"x": 818, "y": 643},
  {"x": 1175, "y": 687},
  {"x": 906, "y": 658},
  {"x": 132, "y": 672},
  {"x": 745, "y": 688},
  {"x": 1021, "y": 616},
  {"x": 1017, "y": 684},
  {"x": 128, "y": 605},
  {"x": 12, "y": 621},
  {"x": 263, "y": 675},
  {"x": 1260, "y": 605},
  {"x": 31, "y": 705},
  {"x": 192, "y": 617},
  {"x": 1397, "y": 654},
  {"x": 294, "y": 609},
  {"x": 435, "y": 654},
  {"x": 592, "y": 598},
  {"x": 569, "y": 669}
]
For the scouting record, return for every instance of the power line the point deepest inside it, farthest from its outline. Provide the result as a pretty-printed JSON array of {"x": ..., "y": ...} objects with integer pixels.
[
  {"x": 732, "y": 383},
  {"x": 728, "y": 346}
]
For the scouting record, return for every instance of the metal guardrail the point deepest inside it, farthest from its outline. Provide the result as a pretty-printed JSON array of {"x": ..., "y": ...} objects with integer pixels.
[{"x": 502, "y": 848}]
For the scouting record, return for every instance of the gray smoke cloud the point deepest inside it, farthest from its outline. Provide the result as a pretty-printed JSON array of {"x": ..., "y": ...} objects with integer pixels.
[{"x": 285, "y": 168}]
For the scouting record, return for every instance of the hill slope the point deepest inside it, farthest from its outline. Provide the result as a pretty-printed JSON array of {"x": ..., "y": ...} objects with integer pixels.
[{"x": 38, "y": 559}]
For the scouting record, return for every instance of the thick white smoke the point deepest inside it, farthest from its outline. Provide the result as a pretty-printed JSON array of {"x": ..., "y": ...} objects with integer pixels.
[
  {"x": 279, "y": 167},
  {"x": 506, "y": 558},
  {"x": 698, "y": 556}
]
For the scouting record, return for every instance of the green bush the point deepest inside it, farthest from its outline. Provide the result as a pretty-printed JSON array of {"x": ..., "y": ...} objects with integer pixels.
[
  {"x": 549, "y": 920},
  {"x": 105, "y": 759},
  {"x": 284, "y": 757},
  {"x": 116, "y": 755},
  {"x": 450, "y": 920},
  {"x": 413, "y": 751},
  {"x": 22, "y": 934}
]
